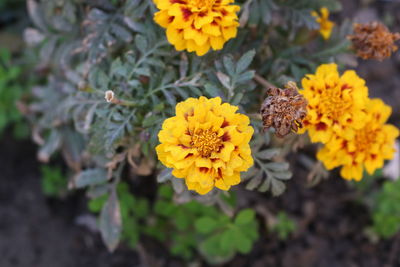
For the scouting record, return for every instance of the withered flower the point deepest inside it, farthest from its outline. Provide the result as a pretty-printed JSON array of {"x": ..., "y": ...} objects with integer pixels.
[
  {"x": 284, "y": 109},
  {"x": 373, "y": 40}
]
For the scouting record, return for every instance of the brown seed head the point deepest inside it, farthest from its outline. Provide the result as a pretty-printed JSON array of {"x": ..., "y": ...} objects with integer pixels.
[
  {"x": 373, "y": 41},
  {"x": 284, "y": 109}
]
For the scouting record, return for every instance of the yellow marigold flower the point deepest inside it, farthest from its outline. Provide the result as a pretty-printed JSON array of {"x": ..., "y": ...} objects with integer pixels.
[
  {"x": 325, "y": 25},
  {"x": 370, "y": 146},
  {"x": 206, "y": 143},
  {"x": 335, "y": 103},
  {"x": 198, "y": 25}
]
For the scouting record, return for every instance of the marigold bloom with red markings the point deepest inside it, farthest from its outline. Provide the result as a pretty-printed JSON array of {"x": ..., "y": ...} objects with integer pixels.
[
  {"x": 371, "y": 145},
  {"x": 335, "y": 103},
  {"x": 373, "y": 41},
  {"x": 206, "y": 143},
  {"x": 198, "y": 25}
]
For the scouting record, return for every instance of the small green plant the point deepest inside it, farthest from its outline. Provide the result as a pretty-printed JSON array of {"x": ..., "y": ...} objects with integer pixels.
[
  {"x": 133, "y": 209},
  {"x": 54, "y": 183},
  {"x": 194, "y": 226},
  {"x": 187, "y": 227},
  {"x": 284, "y": 226},
  {"x": 224, "y": 236},
  {"x": 10, "y": 91},
  {"x": 386, "y": 211}
]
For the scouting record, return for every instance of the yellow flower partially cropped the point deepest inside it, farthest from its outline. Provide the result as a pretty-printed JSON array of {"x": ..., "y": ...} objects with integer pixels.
[
  {"x": 325, "y": 25},
  {"x": 206, "y": 143},
  {"x": 335, "y": 103},
  {"x": 371, "y": 145},
  {"x": 198, "y": 25}
]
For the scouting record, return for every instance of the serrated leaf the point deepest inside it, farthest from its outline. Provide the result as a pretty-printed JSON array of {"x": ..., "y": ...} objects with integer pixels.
[
  {"x": 277, "y": 166},
  {"x": 245, "y": 61},
  {"x": 111, "y": 222},
  {"x": 268, "y": 153},
  {"x": 90, "y": 177}
]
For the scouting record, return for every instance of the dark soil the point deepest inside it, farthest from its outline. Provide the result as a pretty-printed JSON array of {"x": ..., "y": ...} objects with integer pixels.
[{"x": 37, "y": 232}]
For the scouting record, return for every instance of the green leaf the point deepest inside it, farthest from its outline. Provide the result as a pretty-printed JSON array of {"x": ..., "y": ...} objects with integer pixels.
[
  {"x": 96, "y": 204},
  {"x": 212, "y": 90},
  {"x": 277, "y": 166},
  {"x": 242, "y": 242},
  {"x": 111, "y": 222},
  {"x": 224, "y": 79},
  {"x": 227, "y": 241},
  {"x": 246, "y": 76},
  {"x": 141, "y": 43},
  {"x": 245, "y": 61},
  {"x": 90, "y": 177},
  {"x": 244, "y": 217},
  {"x": 268, "y": 153},
  {"x": 205, "y": 225}
]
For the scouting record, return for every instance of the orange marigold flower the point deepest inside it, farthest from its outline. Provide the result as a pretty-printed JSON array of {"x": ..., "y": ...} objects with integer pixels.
[
  {"x": 335, "y": 103},
  {"x": 373, "y": 40},
  {"x": 206, "y": 143},
  {"x": 284, "y": 109},
  {"x": 325, "y": 25},
  {"x": 198, "y": 25},
  {"x": 370, "y": 146}
]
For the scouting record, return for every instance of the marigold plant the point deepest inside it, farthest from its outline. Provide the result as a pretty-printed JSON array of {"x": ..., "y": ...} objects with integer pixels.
[
  {"x": 371, "y": 145},
  {"x": 132, "y": 112},
  {"x": 198, "y": 25},
  {"x": 335, "y": 103},
  {"x": 206, "y": 143}
]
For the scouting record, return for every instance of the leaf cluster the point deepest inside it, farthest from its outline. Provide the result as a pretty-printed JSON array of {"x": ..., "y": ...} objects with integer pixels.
[
  {"x": 11, "y": 90},
  {"x": 189, "y": 228},
  {"x": 386, "y": 211},
  {"x": 53, "y": 182}
]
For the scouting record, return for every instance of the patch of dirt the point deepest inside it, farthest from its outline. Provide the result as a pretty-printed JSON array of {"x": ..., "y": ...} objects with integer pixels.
[{"x": 39, "y": 232}]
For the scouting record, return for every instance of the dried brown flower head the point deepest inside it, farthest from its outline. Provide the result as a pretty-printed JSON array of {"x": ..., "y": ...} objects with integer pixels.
[
  {"x": 373, "y": 40},
  {"x": 284, "y": 109}
]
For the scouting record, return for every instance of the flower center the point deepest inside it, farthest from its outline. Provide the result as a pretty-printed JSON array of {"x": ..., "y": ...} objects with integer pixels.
[
  {"x": 201, "y": 5},
  {"x": 333, "y": 103},
  {"x": 364, "y": 138},
  {"x": 206, "y": 142}
]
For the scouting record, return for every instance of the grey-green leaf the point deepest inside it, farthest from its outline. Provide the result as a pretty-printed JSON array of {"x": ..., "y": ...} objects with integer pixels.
[
  {"x": 111, "y": 222},
  {"x": 245, "y": 61},
  {"x": 90, "y": 177}
]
